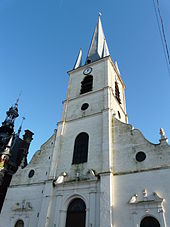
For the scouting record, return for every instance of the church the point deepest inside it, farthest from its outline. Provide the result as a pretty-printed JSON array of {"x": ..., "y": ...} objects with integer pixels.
[{"x": 96, "y": 170}]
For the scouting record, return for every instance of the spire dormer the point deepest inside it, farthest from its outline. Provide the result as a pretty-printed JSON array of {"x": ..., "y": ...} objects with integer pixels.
[{"x": 79, "y": 60}]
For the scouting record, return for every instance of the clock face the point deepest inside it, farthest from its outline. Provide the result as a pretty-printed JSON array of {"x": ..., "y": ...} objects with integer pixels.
[{"x": 87, "y": 71}]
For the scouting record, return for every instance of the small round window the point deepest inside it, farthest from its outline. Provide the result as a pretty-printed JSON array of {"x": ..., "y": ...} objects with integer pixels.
[
  {"x": 31, "y": 173},
  {"x": 84, "y": 106},
  {"x": 140, "y": 156}
]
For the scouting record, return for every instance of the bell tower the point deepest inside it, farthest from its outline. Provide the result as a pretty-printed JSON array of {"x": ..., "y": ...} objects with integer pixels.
[
  {"x": 84, "y": 145},
  {"x": 98, "y": 81},
  {"x": 95, "y": 94}
]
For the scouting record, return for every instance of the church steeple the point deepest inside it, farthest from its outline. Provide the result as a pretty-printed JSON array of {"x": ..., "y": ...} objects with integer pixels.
[
  {"x": 13, "y": 149},
  {"x": 12, "y": 114},
  {"x": 98, "y": 48},
  {"x": 99, "y": 56}
]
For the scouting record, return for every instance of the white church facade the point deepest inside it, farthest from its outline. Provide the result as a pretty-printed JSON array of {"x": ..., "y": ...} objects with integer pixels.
[{"x": 96, "y": 170}]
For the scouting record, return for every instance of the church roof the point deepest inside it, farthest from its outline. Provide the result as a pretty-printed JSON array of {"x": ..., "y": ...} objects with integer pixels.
[{"x": 98, "y": 48}]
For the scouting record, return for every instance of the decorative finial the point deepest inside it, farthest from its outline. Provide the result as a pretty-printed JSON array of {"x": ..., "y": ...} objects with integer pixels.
[
  {"x": 163, "y": 136},
  {"x": 145, "y": 194},
  {"x": 133, "y": 199},
  {"x": 162, "y": 133}
]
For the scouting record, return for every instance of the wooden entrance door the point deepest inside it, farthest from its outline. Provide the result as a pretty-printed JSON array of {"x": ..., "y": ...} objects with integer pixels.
[
  {"x": 149, "y": 222},
  {"x": 76, "y": 214}
]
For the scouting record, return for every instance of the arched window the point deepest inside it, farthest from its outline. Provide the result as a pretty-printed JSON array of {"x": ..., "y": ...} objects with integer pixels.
[
  {"x": 117, "y": 92},
  {"x": 80, "y": 153},
  {"x": 19, "y": 223},
  {"x": 149, "y": 222},
  {"x": 86, "y": 84},
  {"x": 76, "y": 213}
]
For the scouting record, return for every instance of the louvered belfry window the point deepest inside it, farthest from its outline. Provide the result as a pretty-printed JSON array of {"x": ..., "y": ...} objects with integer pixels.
[
  {"x": 80, "y": 153},
  {"x": 117, "y": 92},
  {"x": 86, "y": 84}
]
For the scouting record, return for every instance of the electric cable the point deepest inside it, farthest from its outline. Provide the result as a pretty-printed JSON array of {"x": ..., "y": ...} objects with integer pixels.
[
  {"x": 162, "y": 34},
  {"x": 163, "y": 31}
]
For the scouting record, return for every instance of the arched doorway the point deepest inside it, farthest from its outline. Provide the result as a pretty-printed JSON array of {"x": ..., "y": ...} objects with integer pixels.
[
  {"x": 76, "y": 213},
  {"x": 19, "y": 223},
  {"x": 149, "y": 222}
]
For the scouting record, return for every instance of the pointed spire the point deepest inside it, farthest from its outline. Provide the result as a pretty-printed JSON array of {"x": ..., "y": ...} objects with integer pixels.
[
  {"x": 79, "y": 60},
  {"x": 98, "y": 48},
  {"x": 16, "y": 103},
  {"x": 20, "y": 128}
]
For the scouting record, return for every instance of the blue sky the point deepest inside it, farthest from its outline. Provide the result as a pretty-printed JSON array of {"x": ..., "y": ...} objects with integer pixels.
[{"x": 39, "y": 43}]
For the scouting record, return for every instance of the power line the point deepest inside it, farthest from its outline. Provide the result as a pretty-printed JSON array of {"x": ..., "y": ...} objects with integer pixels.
[{"x": 162, "y": 33}]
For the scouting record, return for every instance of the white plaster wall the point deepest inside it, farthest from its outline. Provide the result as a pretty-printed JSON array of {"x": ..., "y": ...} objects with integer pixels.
[
  {"x": 40, "y": 163},
  {"x": 132, "y": 177},
  {"x": 23, "y": 188},
  {"x": 99, "y": 72},
  {"x": 106, "y": 211},
  {"x": 125, "y": 186},
  {"x": 127, "y": 142},
  {"x": 115, "y": 106},
  {"x": 115, "y": 77},
  {"x": 95, "y": 121},
  {"x": 95, "y": 101},
  {"x": 28, "y": 193},
  {"x": 104, "y": 77},
  {"x": 74, "y": 100},
  {"x": 91, "y": 125}
]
